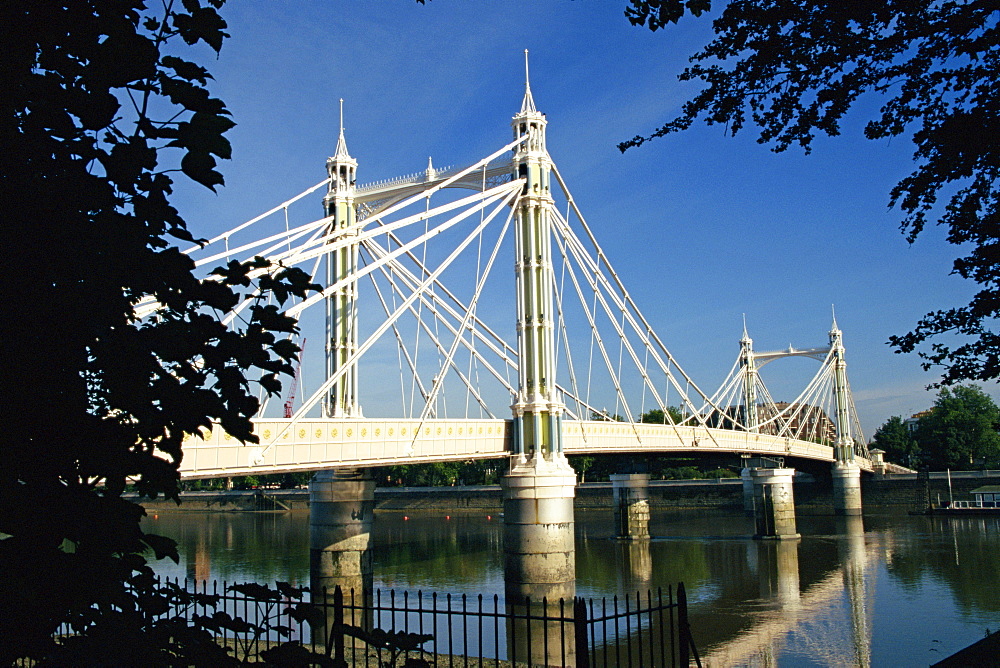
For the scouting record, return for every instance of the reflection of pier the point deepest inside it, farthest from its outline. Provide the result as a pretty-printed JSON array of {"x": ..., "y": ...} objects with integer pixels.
[{"x": 778, "y": 569}]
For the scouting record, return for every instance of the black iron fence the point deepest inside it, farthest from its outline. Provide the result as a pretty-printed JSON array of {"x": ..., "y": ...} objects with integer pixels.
[{"x": 285, "y": 625}]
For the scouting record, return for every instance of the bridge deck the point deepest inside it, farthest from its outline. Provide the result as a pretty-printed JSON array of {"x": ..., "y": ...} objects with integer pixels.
[{"x": 312, "y": 445}]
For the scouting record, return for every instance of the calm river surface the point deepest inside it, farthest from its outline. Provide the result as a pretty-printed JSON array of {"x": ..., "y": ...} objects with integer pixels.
[{"x": 899, "y": 591}]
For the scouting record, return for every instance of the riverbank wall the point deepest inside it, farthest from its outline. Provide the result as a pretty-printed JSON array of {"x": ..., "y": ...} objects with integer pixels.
[
  {"x": 812, "y": 495},
  {"x": 716, "y": 493}
]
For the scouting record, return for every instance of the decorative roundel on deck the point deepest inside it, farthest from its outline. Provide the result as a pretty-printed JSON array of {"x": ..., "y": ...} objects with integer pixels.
[
  {"x": 480, "y": 431},
  {"x": 350, "y": 432},
  {"x": 228, "y": 437},
  {"x": 302, "y": 433},
  {"x": 449, "y": 431},
  {"x": 403, "y": 431},
  {"x": 427, "y": 431},
  {"x": 267, "y": 433},
  {"x": 319, "y": 433},
  {"x": 284, "y": 436},
  {"x": 390, "y": 431},
  {"x": 364, "y": 432},
  {"x": 333, "y": 432},
  {"x": 378, "y": 431},
  {"x": 459, "y": 431}
]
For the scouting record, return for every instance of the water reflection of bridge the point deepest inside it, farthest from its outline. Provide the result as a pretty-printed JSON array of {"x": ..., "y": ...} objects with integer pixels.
[{"x": 788, "y": 604}]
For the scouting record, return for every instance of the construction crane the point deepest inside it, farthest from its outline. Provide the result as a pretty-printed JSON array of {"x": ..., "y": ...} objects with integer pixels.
[{"x": 295, "y": 382}]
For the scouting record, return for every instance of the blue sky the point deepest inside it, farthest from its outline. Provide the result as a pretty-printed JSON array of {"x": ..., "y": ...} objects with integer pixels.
[{"x": 703, "y": 227}]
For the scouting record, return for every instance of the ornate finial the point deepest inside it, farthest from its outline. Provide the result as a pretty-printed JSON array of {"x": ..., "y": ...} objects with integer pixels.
[
  {"x": 528, "y": 105},
  {"x": 341, "y": 152},
  {"x": 833, "y": 312},
  {"x": 431, "y": 172}
]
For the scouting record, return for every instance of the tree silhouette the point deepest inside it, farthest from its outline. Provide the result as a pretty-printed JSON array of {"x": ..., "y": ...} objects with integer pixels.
[
  {"x": 100, "y": 114},
  {"x": 793, "y": 69}
]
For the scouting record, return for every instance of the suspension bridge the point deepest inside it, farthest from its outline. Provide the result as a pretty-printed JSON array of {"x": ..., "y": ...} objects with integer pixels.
[
  {"x": 559, "y": 361},
  {"x": 451, "y": 360}
]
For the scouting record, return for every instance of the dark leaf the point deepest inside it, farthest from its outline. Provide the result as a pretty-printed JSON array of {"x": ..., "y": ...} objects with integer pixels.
[{"x": 162, "y": 546}]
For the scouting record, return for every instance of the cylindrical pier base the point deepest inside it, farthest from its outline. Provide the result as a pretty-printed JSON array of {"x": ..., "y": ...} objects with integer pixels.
[
  {"x": 538, "y": 538},
  {"x": 846, "y": 488},
  {"x": 540, "y": 560},
  {"x": 631, "y": 505},
  {"x": 774, "y": 503},
  {"x": 341, "y": 513}
]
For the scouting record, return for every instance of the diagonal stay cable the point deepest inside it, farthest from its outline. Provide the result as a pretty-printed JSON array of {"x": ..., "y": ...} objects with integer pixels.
[
  {"x": 432, "y": 305},
  {"x": 469, "y": 313},
  {"x": 376, "y": 335}
]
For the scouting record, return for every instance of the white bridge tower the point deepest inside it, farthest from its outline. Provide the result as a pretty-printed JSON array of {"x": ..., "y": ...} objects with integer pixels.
[
  {"x": 539, "y": 550},
  {"x": 342, "y": 305}
]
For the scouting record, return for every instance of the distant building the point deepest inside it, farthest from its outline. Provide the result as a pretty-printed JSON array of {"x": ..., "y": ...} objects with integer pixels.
[
  {"x": 810, "y": 423},
  {"x": 911, "y": 422}
]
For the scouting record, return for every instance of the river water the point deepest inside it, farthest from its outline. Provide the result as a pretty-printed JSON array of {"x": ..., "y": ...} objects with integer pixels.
[{"x": 894, "y": 591}]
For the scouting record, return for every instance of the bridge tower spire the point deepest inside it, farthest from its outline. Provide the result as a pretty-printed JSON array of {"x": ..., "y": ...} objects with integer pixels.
[
  {"x": 538, "y": 409},
  {"x": 846, "y": 472},
  {"x": 749, "y": 365},
  {"x": 341, "y": 306}
]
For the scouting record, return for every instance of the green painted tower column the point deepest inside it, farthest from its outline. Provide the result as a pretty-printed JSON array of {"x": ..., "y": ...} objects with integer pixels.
[
  {"x": 846, "y": 472},
  {"x": 749, "y": 364},
  {"x": 538, "y": 409},
  {"x": 341, "y": 306},
  {"x": 750, "y": 415}
]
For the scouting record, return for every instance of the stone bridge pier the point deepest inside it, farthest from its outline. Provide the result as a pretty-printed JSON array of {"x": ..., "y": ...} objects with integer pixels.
[
  {"x": 846, "y": 488},
  {"x": 540, "y": 559},
  {"x": 341, "y": 515},
  {"x": 774, "y": 503},
  {"x": 631, "y": 491}
]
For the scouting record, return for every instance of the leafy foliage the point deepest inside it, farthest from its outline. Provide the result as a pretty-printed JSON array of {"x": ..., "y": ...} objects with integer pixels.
[
  {"x": 960, "y": 432},
  {"x": 441, "y": 474},
  {"x": 657, "y": 14},
  {"x": 395, "y": 643},
  {"x": 794, "y": 68},
  {"x": 100, "y": 113},
  {"x": 656, "y": 416},
  {"x": 895, "y": 438}
]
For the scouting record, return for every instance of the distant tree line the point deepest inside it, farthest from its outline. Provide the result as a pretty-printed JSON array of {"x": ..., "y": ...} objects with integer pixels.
[
  {"x": 589, "y": 468},
  {"x": 959, "y": 432}
]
